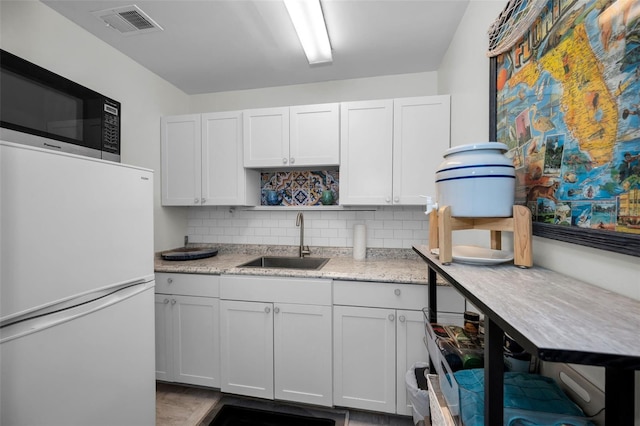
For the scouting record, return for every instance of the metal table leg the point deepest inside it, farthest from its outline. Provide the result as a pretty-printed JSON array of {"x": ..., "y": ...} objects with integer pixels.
[
  {"x": 619, "y": 398},
  {"x": 493, "y": 373},
  {"x": 433, "y": 305}
]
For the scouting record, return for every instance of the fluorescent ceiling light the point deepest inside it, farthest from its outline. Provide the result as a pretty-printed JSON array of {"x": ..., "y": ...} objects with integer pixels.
[{"x": 308, "y": 20}]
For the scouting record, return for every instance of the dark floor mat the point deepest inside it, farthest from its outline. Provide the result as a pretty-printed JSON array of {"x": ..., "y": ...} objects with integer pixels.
[{"x": 231, "y": 415}]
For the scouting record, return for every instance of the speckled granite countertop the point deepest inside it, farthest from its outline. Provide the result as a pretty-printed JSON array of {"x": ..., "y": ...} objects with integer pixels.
[{"x": 382, "y": 265}]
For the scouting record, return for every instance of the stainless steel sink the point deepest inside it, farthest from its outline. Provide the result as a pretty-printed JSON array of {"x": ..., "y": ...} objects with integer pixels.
[{"x": 282, "y": 262}]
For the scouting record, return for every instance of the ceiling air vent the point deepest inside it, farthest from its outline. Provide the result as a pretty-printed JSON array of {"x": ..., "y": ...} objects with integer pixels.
[{"x": 129, "y": 20}]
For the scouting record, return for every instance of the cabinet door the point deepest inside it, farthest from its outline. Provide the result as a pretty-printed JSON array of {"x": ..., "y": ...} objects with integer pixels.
[
  {"x": 225, "y": 181},
  {"x": 410, "y": 349},
  {"x": 421, "y": 136},
  {"x": 266, "y": 137},
  {"x": 366, "y": 137},
  {"x": 164, "y": 354},
  {"x": 181, "y": 160},
  {"x": 246, "y": 333},
  {"x": 196, "y": 340},
  {"x": 302, "y": 352},
  {"x": 364, "y": 358},
  {"x": 314, "y": 135}
]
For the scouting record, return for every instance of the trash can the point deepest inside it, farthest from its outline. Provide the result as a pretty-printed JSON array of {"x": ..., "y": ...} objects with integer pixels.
[{"x": 419, "y": 397}]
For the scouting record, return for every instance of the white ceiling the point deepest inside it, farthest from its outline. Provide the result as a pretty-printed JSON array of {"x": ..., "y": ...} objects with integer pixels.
[{"x": 220, "y": 45}]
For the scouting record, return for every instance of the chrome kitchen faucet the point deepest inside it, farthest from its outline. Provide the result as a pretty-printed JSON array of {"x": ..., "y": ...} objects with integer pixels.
[{"x": 302, "y": 251}]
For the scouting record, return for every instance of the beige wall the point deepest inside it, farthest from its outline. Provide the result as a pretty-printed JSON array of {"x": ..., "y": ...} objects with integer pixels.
[
  {"x": 67, "y": 49},
  {"x": 359, "y": 89},
  {"x": 465, "y": 75},
  {"x": 38, "y": 34}
]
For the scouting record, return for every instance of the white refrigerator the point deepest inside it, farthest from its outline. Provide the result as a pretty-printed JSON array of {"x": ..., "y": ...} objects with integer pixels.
[{"x": 76, "y": 291}]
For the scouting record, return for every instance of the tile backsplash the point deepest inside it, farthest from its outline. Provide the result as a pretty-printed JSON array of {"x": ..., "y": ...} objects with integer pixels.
[
  {"x": 387, "y": 227},
  {"x": 299, "y": 188}
]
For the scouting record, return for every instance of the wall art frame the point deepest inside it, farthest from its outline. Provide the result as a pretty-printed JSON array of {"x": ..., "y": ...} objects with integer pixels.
[{"x": 565, "y": 98}]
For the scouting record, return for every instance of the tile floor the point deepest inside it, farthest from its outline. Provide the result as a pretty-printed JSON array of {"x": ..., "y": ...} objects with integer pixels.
[{"x": 188, "y": 406}]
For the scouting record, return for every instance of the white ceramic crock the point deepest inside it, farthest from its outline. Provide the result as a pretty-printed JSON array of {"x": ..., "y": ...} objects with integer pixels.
[{"x": 477, "y": 180}]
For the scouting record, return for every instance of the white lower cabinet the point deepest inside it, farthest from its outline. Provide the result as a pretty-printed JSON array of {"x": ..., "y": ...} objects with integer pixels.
[
  {"x": 302, "y": 353},
  {"x": 374, "y": 348},
  {"x": 365, "y": 358},
  {"x": 378, "y": 331},
  {"x": 187, "y": 329},
  {"x": 246, "y": 335},
  {"x": 313, "y": 341},
  {"x": 276, "y": 338},
  {"x": 410, "y": 349}
]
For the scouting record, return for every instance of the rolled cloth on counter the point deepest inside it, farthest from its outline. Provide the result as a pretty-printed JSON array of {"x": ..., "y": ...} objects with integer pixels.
[{"x": 359, "y": 242}]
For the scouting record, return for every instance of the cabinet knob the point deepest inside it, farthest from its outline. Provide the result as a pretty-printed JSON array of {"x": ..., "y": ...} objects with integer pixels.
[
  {"x": 169, "y": 280},
  {"x": 276, "y": 310},
  {"x": 402, "y": 318},
  {"x": 396, "y": 199},
  {"x": 267, "y": 310},
  {"x": 196, "y": 201},
  {"x": 203, "y": 200},
  {"x": 165, "y": 301},
  {"x": 293, "y": 160},
  {"x": 397, "y": 292},
  {"x": 391, "y": 317},
  {"x": 387, "y": 200},
  {"x": 284, "y": 161},
  {"x": 173, "y": 301}
]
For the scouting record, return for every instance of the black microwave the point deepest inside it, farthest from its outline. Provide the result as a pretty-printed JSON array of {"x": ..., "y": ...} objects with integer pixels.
[{"x": 41, "y": 108}]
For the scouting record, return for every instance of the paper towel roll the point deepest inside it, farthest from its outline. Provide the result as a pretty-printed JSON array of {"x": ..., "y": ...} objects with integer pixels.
[{"x": 359, "y": 242}]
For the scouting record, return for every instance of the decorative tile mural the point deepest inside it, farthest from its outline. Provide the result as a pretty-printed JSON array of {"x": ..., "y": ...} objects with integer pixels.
[{"x": 299, "y": 188}]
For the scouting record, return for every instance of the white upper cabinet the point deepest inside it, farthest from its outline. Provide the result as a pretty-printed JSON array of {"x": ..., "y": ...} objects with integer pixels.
[
  {"x": 366, "y": 130},
  {"x": 314, "y": 135},
  {"x": 225, "y": 181},
  {"x": 391, "y": 149},
  {"x": 298, "y": 136},
  {"x": 266, "y": 137},
  {"x": 181, "y": 160},
  {"x": 202, "y": 161},
  {"x": 421, "y": 135},
  {"x": 388, "y": 150}
]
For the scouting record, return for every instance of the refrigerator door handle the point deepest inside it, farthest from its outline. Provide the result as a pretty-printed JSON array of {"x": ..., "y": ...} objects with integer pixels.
[
  {"x": 70, "y": 301},
  {"x": 58, "y": 314}
]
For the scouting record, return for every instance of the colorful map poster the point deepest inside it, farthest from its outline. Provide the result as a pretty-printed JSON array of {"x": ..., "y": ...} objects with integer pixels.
[{"x": 568, "y": 107}]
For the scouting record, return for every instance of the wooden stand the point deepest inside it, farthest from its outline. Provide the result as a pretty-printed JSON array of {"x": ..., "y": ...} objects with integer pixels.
[{"x": 441, "y": 224}]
